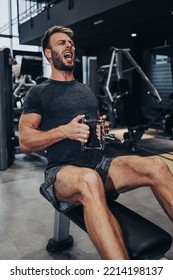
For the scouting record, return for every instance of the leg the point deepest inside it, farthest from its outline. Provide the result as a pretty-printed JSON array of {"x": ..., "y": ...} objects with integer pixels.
[
  {"x": 129, "y": 172},
  {"x": 83, "y": 186}
]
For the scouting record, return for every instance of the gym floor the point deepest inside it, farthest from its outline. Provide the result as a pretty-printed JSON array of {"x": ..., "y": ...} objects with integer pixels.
[{"x": 26, "y": 218}]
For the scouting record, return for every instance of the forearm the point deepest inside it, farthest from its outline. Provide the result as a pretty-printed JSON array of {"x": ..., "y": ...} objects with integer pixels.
[{"x": 32, "y": 140}]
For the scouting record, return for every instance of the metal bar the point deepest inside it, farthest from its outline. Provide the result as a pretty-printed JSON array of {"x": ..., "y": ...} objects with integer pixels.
[
  {"x": 109, "y": 75},
  {"x": 61, "y": 226},
  {"x": 10, "y": 25},
  {"x": 119, "y": 65},
  {"x": 142, "y": 74}
]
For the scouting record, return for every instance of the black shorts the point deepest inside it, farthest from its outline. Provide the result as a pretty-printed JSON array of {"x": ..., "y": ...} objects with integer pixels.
[{"x": 47, "y": 188}]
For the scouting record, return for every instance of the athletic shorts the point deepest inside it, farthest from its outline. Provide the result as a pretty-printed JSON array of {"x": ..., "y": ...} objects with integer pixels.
[{"x": 47, "y": 188}]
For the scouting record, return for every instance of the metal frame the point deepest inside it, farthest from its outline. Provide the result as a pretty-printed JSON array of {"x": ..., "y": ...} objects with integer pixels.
[
  {"x": 61, "y": 226},
  {"x": 116, "y": 61}
]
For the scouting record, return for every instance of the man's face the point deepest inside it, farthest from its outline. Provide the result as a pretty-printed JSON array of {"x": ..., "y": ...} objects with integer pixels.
[{"x": 62, "y": 52}]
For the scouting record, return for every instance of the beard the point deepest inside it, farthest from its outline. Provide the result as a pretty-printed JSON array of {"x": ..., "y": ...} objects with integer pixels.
[{"x": 59, "y": 64}]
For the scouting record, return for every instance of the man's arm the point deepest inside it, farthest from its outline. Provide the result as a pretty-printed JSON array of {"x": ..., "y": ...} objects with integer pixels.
[{"x": 32, "y": 139}]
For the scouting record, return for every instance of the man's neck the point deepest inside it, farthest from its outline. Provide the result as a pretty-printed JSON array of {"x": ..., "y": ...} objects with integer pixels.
[{"x": 62, "y": 76}]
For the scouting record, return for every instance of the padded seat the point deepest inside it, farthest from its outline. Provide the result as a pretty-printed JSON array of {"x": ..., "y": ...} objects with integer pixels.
[{"x": 143, "y": 239}]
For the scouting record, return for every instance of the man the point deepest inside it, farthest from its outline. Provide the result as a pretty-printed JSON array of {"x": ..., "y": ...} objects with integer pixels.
[{"x": 51, "y": 120}]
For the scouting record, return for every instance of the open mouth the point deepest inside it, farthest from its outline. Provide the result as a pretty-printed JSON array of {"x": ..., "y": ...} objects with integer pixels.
[{"x": 68, "y": 56}]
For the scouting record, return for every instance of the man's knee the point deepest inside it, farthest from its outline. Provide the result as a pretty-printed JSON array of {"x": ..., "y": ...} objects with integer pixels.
[
  {"x": 92, "y": 186},
  {"x": 91, "y": 177}
]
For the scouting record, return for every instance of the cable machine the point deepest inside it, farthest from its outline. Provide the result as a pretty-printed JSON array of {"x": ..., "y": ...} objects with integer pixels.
[{"x": 121, "y": 87}]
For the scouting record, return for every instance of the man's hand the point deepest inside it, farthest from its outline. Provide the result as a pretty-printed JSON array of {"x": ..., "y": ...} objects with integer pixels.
[
  {"x": 101, "y": 129},
  {"x": 76, "y": 130},
  {"x": 106, "y": 124}
]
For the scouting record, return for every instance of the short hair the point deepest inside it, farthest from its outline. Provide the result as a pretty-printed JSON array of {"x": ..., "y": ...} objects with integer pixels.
[{"x": 55, "y": 29}]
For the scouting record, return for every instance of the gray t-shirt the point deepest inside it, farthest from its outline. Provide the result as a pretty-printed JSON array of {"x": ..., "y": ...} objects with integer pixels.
[{"x": 58, "y": 102}]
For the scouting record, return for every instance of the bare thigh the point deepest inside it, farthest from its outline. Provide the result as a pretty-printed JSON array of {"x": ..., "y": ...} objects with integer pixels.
[
  {"x": 70, "y": 184},
  {"x": 130, "y": 172}
]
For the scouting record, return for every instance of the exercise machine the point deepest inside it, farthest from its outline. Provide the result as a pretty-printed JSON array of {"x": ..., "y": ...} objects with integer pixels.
[
  {"x": 89, "y": 71},
  {"x": 30, "y": 70},
  {"x": 26, "y": 82},
  {"x": 143, "y": 239},
  {"x": 30, "y": 74},
  {"x": 115, "y": 86}
]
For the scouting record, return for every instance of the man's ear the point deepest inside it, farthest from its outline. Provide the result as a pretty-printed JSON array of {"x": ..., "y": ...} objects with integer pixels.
[{"x": 48, "y": 53}]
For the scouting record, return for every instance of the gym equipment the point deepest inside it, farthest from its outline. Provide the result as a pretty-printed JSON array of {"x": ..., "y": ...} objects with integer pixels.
[
  {"x": 31, "y": 68},
  {"x": 143, "y": 239},
  {"x": 6, "y": 110},
  {"x": 32, "y": 65},
  {"x": 116, "y": 56},
  {"x": 115, "y": 87},
  {"x": 19, "y": 94},
  {"x": 101, "y": 139},
  {"x": 21, "y": 89},
  {"x": 103, "y": 136},
  {"x": 30, "y": 74},
  {"x": 89, "y": 66}
]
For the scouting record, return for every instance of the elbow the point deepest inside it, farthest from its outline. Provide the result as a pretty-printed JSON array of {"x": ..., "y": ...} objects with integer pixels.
[
  {"x": 23, "y": 147},
  {"x": 27, "y": 146}
]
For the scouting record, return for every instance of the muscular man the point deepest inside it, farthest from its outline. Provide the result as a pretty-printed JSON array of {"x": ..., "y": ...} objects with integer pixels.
[{"x": 51, "y": 120}]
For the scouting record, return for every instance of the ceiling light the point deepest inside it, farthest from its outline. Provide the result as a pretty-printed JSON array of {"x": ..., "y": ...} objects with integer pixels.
[
  {"x": 97, "y": 22},
  {"x": 133, "y": 34}
]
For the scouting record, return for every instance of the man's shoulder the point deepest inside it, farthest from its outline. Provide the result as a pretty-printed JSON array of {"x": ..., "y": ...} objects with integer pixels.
[
  {"x": 84, "y": 86},
  {"x": 38, "y": 88},
  {"x": 42, "y": 85}
]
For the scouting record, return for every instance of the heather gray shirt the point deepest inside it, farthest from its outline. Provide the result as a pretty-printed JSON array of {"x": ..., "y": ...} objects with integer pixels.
[{"x": 58, "y": 103}]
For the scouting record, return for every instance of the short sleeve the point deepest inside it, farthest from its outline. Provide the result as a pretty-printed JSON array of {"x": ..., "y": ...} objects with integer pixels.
[{"x": 32, "y": 101}]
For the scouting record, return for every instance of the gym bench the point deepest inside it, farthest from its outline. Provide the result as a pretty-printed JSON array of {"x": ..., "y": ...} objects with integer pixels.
[{"x": 144, "y": 240}]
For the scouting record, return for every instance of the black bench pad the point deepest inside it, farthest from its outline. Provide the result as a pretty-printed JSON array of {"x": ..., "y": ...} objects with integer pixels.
[{"x": 143, "y": 239}]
